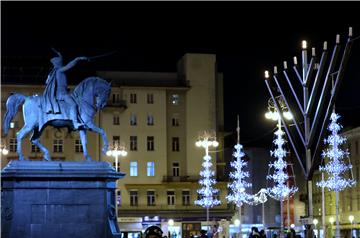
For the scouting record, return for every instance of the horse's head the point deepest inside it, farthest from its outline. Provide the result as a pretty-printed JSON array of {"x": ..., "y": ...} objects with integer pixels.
[{"x": 102, "y": 93}]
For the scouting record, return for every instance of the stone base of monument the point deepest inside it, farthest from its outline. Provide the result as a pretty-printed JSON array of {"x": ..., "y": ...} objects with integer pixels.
[{"x": 58, "y": 200}]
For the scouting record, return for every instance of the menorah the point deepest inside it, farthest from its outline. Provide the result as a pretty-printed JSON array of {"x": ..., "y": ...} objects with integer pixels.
[{"x": 312, "y": 113}]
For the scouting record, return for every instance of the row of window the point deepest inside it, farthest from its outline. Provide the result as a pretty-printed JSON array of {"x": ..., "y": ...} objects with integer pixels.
[
  {"x": 58, "y": 144},
  {"x": 151, "y": 197},
  {"x": 174, "y": 98},
  {"x": 150, "y": 143},
  {"x": 149, "y": 120},
  {"x": 150, "y": 168}
]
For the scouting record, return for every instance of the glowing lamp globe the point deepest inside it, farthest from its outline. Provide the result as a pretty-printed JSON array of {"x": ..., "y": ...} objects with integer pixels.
[
  {"x": 315, "y": 221},
  {"x": 108, "y": 153},
  {"x": 351, "y": 218},
  {"x": 215, "y": 143},
  {"x": 268, "y": 115},
  {"x": 198, "y": 143},
  {"x": 5, "y": 151},
  {"x": 237, "y": 222},
  {"x": 171, "y": 222}
]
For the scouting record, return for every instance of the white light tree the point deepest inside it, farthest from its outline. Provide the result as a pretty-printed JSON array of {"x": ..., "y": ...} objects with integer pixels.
[
  {"x": 238, "y": 194},
  {"x": 336, "y": 166},
  {"x": 280, "y": 189},
  {"x": 207, "y": 181}
]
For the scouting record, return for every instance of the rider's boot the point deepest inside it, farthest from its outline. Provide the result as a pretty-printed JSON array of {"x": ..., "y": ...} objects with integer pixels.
[{"x": 73, "y": 117}]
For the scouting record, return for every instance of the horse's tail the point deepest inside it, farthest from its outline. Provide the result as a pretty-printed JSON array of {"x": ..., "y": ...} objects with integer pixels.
[{"x": 12, "y": 106}]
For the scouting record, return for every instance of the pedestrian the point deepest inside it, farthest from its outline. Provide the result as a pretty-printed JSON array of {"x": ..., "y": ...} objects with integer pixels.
[
  {"x": 153, "y": 232},
  {"x": 262, "y": 234},
  {"x": 254, "y": 232},
  {"x": 203, "y": 234}
]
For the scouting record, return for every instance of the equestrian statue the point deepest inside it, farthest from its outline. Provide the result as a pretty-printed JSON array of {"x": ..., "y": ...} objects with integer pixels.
[{"x": 58, "y": 107}]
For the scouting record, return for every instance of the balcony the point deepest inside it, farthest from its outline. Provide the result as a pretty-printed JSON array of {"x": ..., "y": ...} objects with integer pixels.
[
  {"x": 169, "y": 179},
  {"x": 119, "y": 104}
]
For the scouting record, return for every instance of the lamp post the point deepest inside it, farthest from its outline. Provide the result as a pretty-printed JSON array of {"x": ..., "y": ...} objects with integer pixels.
[
  {"x": 315, "y": 222},
  {"x": 261, "y": 197},
  {"x": 3, "y": 149},
  {"x": 116, "y": 151},
  {"x": 273, "y": 114},
  {"x": 207, "y": 139},
  {"x": 351, "y": 219},
  {"x": 331, "y": 220}
]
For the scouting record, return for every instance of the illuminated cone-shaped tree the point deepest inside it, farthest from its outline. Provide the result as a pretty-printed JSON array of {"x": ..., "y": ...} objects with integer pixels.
[
  {"x": 280, "y": 189},
  {"x": 207, "y": 192},
  {"x": 238, "y": 194},
  {"x": 336, "y": 167}
]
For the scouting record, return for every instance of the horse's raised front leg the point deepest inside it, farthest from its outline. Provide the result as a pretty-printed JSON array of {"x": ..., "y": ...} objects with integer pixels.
[
  {"x": 42, "y": 148},
  {"x": 84, "y": 144},
  {"x": 100, "y": 131},
  {"x": 19, "y": 136}
]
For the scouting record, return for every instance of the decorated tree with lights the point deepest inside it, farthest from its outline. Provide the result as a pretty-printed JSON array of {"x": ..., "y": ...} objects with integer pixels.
[
  {"x": 280, "y": 189},
  {"x": 238, "y": 194},
  {"x": 336, "y": 166},
  {"x": 207, "y": 181}
]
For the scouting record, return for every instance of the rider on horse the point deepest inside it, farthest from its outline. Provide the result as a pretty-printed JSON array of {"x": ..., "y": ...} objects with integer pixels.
[{"x": 57, "y": 89}]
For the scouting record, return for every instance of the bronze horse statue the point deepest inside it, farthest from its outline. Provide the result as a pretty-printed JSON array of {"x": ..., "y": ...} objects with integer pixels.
[{"x": 35, "y": 119}]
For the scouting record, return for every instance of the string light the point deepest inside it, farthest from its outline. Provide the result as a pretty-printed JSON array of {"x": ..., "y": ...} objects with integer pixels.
[
  {"x": 207, "y": 192},
  {"x": 280, "y": 191},
  {"x": 238, "y": 194},
  {"x": 336, "y": 167}
]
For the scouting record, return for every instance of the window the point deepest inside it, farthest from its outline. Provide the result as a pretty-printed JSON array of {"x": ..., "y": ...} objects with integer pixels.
[
  {"x": 176, "y": 169},
  {"x": 133, "y": 98},
  {"x": 150, "y": 98},
  {"x": 151, "y": 198},
  {"x": 34, "y": 148},
  {"x": 133, "y": 168},
  {"x": 118, "y": 166},
  {"x": 175, "y": 99},
  {"x": 133, "y": 143},
  {"x": 217, "y": 195},
  {"x": 116, "y": 98},
  {"x": 133, "y": 120},
  {"x": 186, "y": 197},
  {"x": 150, "y": 120},
  {"x": 116, "y": 140},
  {"x": 78, "y": 146},
  {"x": 175, "y": 144},
  {"x": 150, "y": 169},
  {"x": 171, "y": 197},
  {"x": 175, "y": 120},
  {"x": 133, "y": 198},
  {"x": 118, "y": 198},
  {"x": 58, "y": 145},
  {"x": 116, "y": 120},
  {"x": 13, "y": 144},
  {"x": 150, "y": 143}
]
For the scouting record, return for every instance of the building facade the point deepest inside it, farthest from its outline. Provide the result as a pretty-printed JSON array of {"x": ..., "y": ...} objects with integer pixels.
[
  {"x": 158, "y": 116},
  {"x": 349, "y": 199}
]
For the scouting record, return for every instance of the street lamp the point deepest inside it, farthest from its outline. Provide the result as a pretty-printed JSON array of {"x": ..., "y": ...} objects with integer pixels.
[
  {"x": 351, "y": 219},
  {"x": 205, "y": 140},
  {"x": 3, "y": 149},
  {"x": 273, "y": 114},
  {"x": 261, "y": 197},
  {"x": 315, "y": 222},
  {"x": 116, "y": 151}
]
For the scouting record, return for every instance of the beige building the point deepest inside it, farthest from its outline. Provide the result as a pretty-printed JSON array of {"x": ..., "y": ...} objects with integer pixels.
[
  {"x": 158, "y": 116},
  {"x": 349, "y": 199}
]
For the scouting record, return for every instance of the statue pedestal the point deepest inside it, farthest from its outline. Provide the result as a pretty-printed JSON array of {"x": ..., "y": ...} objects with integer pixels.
[{"x": 59, "y": 200}]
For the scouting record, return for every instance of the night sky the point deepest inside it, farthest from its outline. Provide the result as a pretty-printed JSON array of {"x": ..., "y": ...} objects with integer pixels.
[{"x": 247, "y": 37}]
